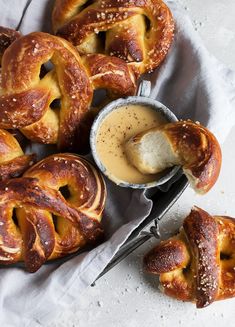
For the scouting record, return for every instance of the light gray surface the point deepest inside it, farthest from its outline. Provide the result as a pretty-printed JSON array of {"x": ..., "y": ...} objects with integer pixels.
[{"x": 125, "y": 296}]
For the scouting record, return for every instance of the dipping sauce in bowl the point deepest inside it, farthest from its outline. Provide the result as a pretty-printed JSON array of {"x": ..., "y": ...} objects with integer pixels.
[
  {"x": 114, "y": 126},
  {"x": 116, "y": 129}
]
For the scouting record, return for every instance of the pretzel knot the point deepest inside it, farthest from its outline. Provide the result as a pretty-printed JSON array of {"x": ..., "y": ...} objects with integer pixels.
[
  {"x": 27, "y": 98},
  {"x": 199, "y": 263},
  {"x": 138, "y": 31},
  {"x": 53, "y": 210}
]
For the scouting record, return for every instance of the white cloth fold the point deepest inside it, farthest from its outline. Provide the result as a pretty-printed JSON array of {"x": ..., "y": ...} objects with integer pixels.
[{"x": 194, "y": 85}]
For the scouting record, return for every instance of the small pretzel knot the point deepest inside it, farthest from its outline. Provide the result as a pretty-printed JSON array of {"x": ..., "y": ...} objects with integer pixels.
[
  {"x": 138, "y": 31},
  {"x": 53, "y": 210},
  {"x": 29, "y": 97},
  {"x": 198, "y": 264}
]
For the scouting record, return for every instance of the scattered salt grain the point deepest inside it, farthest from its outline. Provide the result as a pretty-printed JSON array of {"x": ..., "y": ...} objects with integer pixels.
[{"x": 100, "y": 304}]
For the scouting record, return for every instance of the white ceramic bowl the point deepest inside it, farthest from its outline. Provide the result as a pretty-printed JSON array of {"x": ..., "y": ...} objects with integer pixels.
[{"x": 141, "y": 99}]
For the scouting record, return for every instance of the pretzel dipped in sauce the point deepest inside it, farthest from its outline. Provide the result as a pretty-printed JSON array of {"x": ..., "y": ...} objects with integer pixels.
[{"x": 183, "y": 143}]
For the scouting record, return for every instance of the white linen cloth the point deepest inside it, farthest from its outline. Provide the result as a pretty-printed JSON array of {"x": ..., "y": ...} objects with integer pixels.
[{"x": 193, "y": 84}]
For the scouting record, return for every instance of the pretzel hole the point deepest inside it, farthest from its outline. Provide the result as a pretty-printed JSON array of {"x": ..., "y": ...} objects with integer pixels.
[
  {"x": 49, "y": 65},
  {"x": 55, "y": 104},
  {"x": 225, "y": 256},
  {"x": 147, "y": 24},
  {"x": 85, "y": 5},
  {"x": 46, "y": 68},
  {"x": 100, "y": 95},
  {"x": 187, "y": 269},
  {"x": 43, "y": 72},
  {"x": 14, "y": 217},
  {"x": 101, "y": 36},
  {"x": 55, "y": 222},
  {"x": 64, "y": 190}
]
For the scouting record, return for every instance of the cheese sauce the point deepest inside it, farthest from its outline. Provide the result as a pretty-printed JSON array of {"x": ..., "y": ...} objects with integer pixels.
[{"x": 116, "y": 129}]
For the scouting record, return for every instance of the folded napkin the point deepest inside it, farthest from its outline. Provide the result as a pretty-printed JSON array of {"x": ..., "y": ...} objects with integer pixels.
[{"x": 193, "y": 84}]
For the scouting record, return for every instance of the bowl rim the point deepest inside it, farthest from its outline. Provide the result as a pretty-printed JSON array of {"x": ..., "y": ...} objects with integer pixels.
[{"x": 112, "y": 106}]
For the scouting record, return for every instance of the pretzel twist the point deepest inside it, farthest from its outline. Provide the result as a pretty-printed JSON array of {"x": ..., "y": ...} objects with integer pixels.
[
  {"x": 26, "y": 96},
  {"x": 53, "y": 210},
  {"x": 13, "y": 161},
  {"x": 199, "y": 263},
  {"x": 138, "y": 31}
]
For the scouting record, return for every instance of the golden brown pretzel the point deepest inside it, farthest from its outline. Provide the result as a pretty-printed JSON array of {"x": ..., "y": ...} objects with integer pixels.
[
  {"x": 184, "y": 143},
  {"x": 26, "y": 96},
  {"x": 53, "y": 210},
  {"x": 199, "y": 152},
  {"x": 138, "y": 31},
  {"x": 13, "y": 162},
  {"x": 198, "y": 264}
]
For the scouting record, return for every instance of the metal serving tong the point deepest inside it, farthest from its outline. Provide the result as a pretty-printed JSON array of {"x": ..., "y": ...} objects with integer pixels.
[{"x": 163, "y": 200}]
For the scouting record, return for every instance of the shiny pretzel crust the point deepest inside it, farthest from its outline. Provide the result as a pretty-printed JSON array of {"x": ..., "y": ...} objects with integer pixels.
[
  {"x": 27, "y": 98},
  {"x": 138, "y": 31},
  {"x": 199, "y": 151},
  {"x": 198, "y": 264},
  {"x": 49, "y": 223},
  {"x": 26, "y": 95}
]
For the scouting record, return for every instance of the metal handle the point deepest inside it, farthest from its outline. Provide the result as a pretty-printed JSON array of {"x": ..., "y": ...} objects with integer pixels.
[
  {"x": 163, "y": 202},
  {"x": 132, "y": 245},
  {"x": 144, "y": 89}
]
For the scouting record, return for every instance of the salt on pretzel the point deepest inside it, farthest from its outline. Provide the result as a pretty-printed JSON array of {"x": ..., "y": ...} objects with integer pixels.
[
  {"x": 198, "y": 264},
  {"x": 140, "y": 32},
  {"x": 27, "y": 96},
  {"x": 53, "y": 210}
]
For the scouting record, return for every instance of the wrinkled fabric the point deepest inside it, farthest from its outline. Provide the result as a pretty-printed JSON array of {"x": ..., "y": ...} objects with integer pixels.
[{"x": 193, "y": 84}]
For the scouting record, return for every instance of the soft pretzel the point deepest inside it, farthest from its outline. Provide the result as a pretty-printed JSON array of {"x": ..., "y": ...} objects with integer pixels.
[
  {"x": 7, "y": 36},
  {"x": 53, "y": 210},
  {"x": 140, "y": 32},
  {"x": 26, "y": 96},
  {"x": 198, "y": 264},
  {"x": 181, "y": 143},
  {"x": 13, "y": 161}
]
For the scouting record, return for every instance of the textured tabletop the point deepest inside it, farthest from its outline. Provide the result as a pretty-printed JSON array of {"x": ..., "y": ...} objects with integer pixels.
[{"x": 126, "y": 297}]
